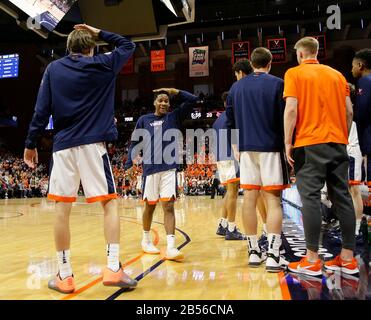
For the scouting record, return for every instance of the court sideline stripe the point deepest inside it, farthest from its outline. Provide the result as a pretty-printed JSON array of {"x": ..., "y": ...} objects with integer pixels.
[
  {"x": 284, "y": 287},
  {"x": 156, "y": 265},
  {"x": 94, "y": 282}
]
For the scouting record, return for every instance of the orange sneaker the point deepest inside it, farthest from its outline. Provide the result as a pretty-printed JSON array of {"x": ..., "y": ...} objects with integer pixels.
[
  {"x": 66, "y": 285},
  {"x": 346, "y": 267},
  {"x": 305, "y": 267},
  {"x": 118, "y": 279}
]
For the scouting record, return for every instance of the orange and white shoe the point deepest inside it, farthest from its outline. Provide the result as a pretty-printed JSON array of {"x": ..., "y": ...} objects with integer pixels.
[
  {"x": 67, "y": 285},
  {"x": 346, "y": 267},
  {"x": 305, "y": 267},
  {"x": 118, "y": 279}
]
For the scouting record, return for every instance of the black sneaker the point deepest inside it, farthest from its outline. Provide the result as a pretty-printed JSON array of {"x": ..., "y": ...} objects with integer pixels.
[
  {"x": 235, "y": 235},
  {"x": 275, "y": 263},
  {"x": 221, "y": 230},
  {"x": 264, "y": 245}
]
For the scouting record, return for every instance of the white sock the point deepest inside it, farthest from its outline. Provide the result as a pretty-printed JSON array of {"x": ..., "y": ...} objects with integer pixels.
[
  {"x": 358, "y": 225},
  {"x": 113, "y": 253},
  {"x": 274, "y": 241},
  {"x": 252, "y": 243},
  {"x": 224, "y": 222},
  {"x": 64, "y": 264},
  {"x": 170, "y": 241},
  {"x": 231, "y": 226},
  {"x": 265, "y": 228},
  {"x": 147, "y": 237}
]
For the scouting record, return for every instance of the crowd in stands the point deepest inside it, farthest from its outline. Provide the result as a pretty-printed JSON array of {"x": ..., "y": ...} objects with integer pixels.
[{"x": 19, "y": 181}]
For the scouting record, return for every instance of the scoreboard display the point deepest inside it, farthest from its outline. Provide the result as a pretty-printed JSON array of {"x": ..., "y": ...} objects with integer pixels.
[{"x": 9, "y": 64}]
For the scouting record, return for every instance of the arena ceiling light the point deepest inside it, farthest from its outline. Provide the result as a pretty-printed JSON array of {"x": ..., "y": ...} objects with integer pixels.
[
  {"x": 185, "y": 9},
  {"x": 170, "y": 6}
]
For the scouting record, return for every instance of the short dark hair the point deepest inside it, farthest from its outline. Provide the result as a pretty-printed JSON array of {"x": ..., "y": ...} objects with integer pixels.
[
  {"x": 242, "y": 65},
  {"x": 224, "y": 96},
  {"x": 156, "y": 94},
  {"x": 364, "y": 55},
  {"x": 260, "y": 57}
]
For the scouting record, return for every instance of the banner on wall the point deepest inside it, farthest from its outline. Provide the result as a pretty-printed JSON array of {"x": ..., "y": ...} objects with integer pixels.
[
  {"x": 158, "y": 62},
  {"x": 199, "y": 61},
  {"x": 278, "y": 49},
  {"x": 128, "y": 67},
  {"x": 322, "y": 51},
  {"x": 240, "y": 50}
]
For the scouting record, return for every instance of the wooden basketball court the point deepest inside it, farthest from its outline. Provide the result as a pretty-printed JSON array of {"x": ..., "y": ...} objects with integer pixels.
[{"x": 213, "y": 268}]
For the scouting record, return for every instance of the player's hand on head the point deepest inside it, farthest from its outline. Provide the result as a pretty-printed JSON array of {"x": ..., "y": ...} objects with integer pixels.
[
  {"x": 92, "y": 30},
  {"x": 168, "y": 90}
]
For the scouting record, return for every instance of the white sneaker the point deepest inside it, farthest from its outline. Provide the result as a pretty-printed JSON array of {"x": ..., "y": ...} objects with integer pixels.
[
  {"x": 174, "y": 254},
  {"x": 275, "y": 263},
  {"x": 149, "y": 247},
  {"x": 255, "y": 258}
]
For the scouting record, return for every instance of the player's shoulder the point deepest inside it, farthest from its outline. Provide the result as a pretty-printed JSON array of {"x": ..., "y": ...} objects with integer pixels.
[
  {"x": 366, "y": 80},
  {"x": 274, "y": 78},
  {"x": 293, "y": 70},
  {"x": 146, "y": 117}
]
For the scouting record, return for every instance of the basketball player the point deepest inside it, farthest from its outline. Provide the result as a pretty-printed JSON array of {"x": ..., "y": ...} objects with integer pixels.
[
  {"x": 255, "y": 107},
  {"x": 228, "y": 168},
  {"x": 139, "y": 184},
  {"x": 181, "y": 183},
  {"x": 321, "y": 135},
  {"x": 78, "y": 91},
  {"x": 159, "y": 177},
  {"x": 356, "y": 169},
  {"x": 361, "y": 69}
]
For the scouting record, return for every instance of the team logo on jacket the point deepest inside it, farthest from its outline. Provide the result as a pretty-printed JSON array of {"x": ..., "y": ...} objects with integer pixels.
[
  {"x": 360, "y": 92},
  {"x": 156, "y": 123}
]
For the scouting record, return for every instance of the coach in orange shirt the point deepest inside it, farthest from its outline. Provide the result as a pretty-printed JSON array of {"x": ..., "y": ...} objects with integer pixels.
[{"x": 319, "y": 109}]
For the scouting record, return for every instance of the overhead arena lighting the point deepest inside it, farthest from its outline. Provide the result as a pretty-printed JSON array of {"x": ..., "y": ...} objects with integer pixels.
[
  {"x": 181, "y": 8},
  {"x": 184, "y": 9},
  {"x": 169, "y": 5}
]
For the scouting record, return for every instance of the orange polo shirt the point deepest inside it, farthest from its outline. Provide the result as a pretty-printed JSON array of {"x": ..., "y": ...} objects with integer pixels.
[{"x": 321, "y": 92}]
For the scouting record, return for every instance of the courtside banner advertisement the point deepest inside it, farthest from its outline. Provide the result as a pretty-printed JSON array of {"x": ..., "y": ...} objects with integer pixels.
[
  {"x": 240, "y": 50},
  {"x": 278, "y": 49},
  {"x": 158, "y": 62},
  {"x": 199, "y": 61},
  {"x": 128, "y": 67},
  {"x": 322, "y": 51}
]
